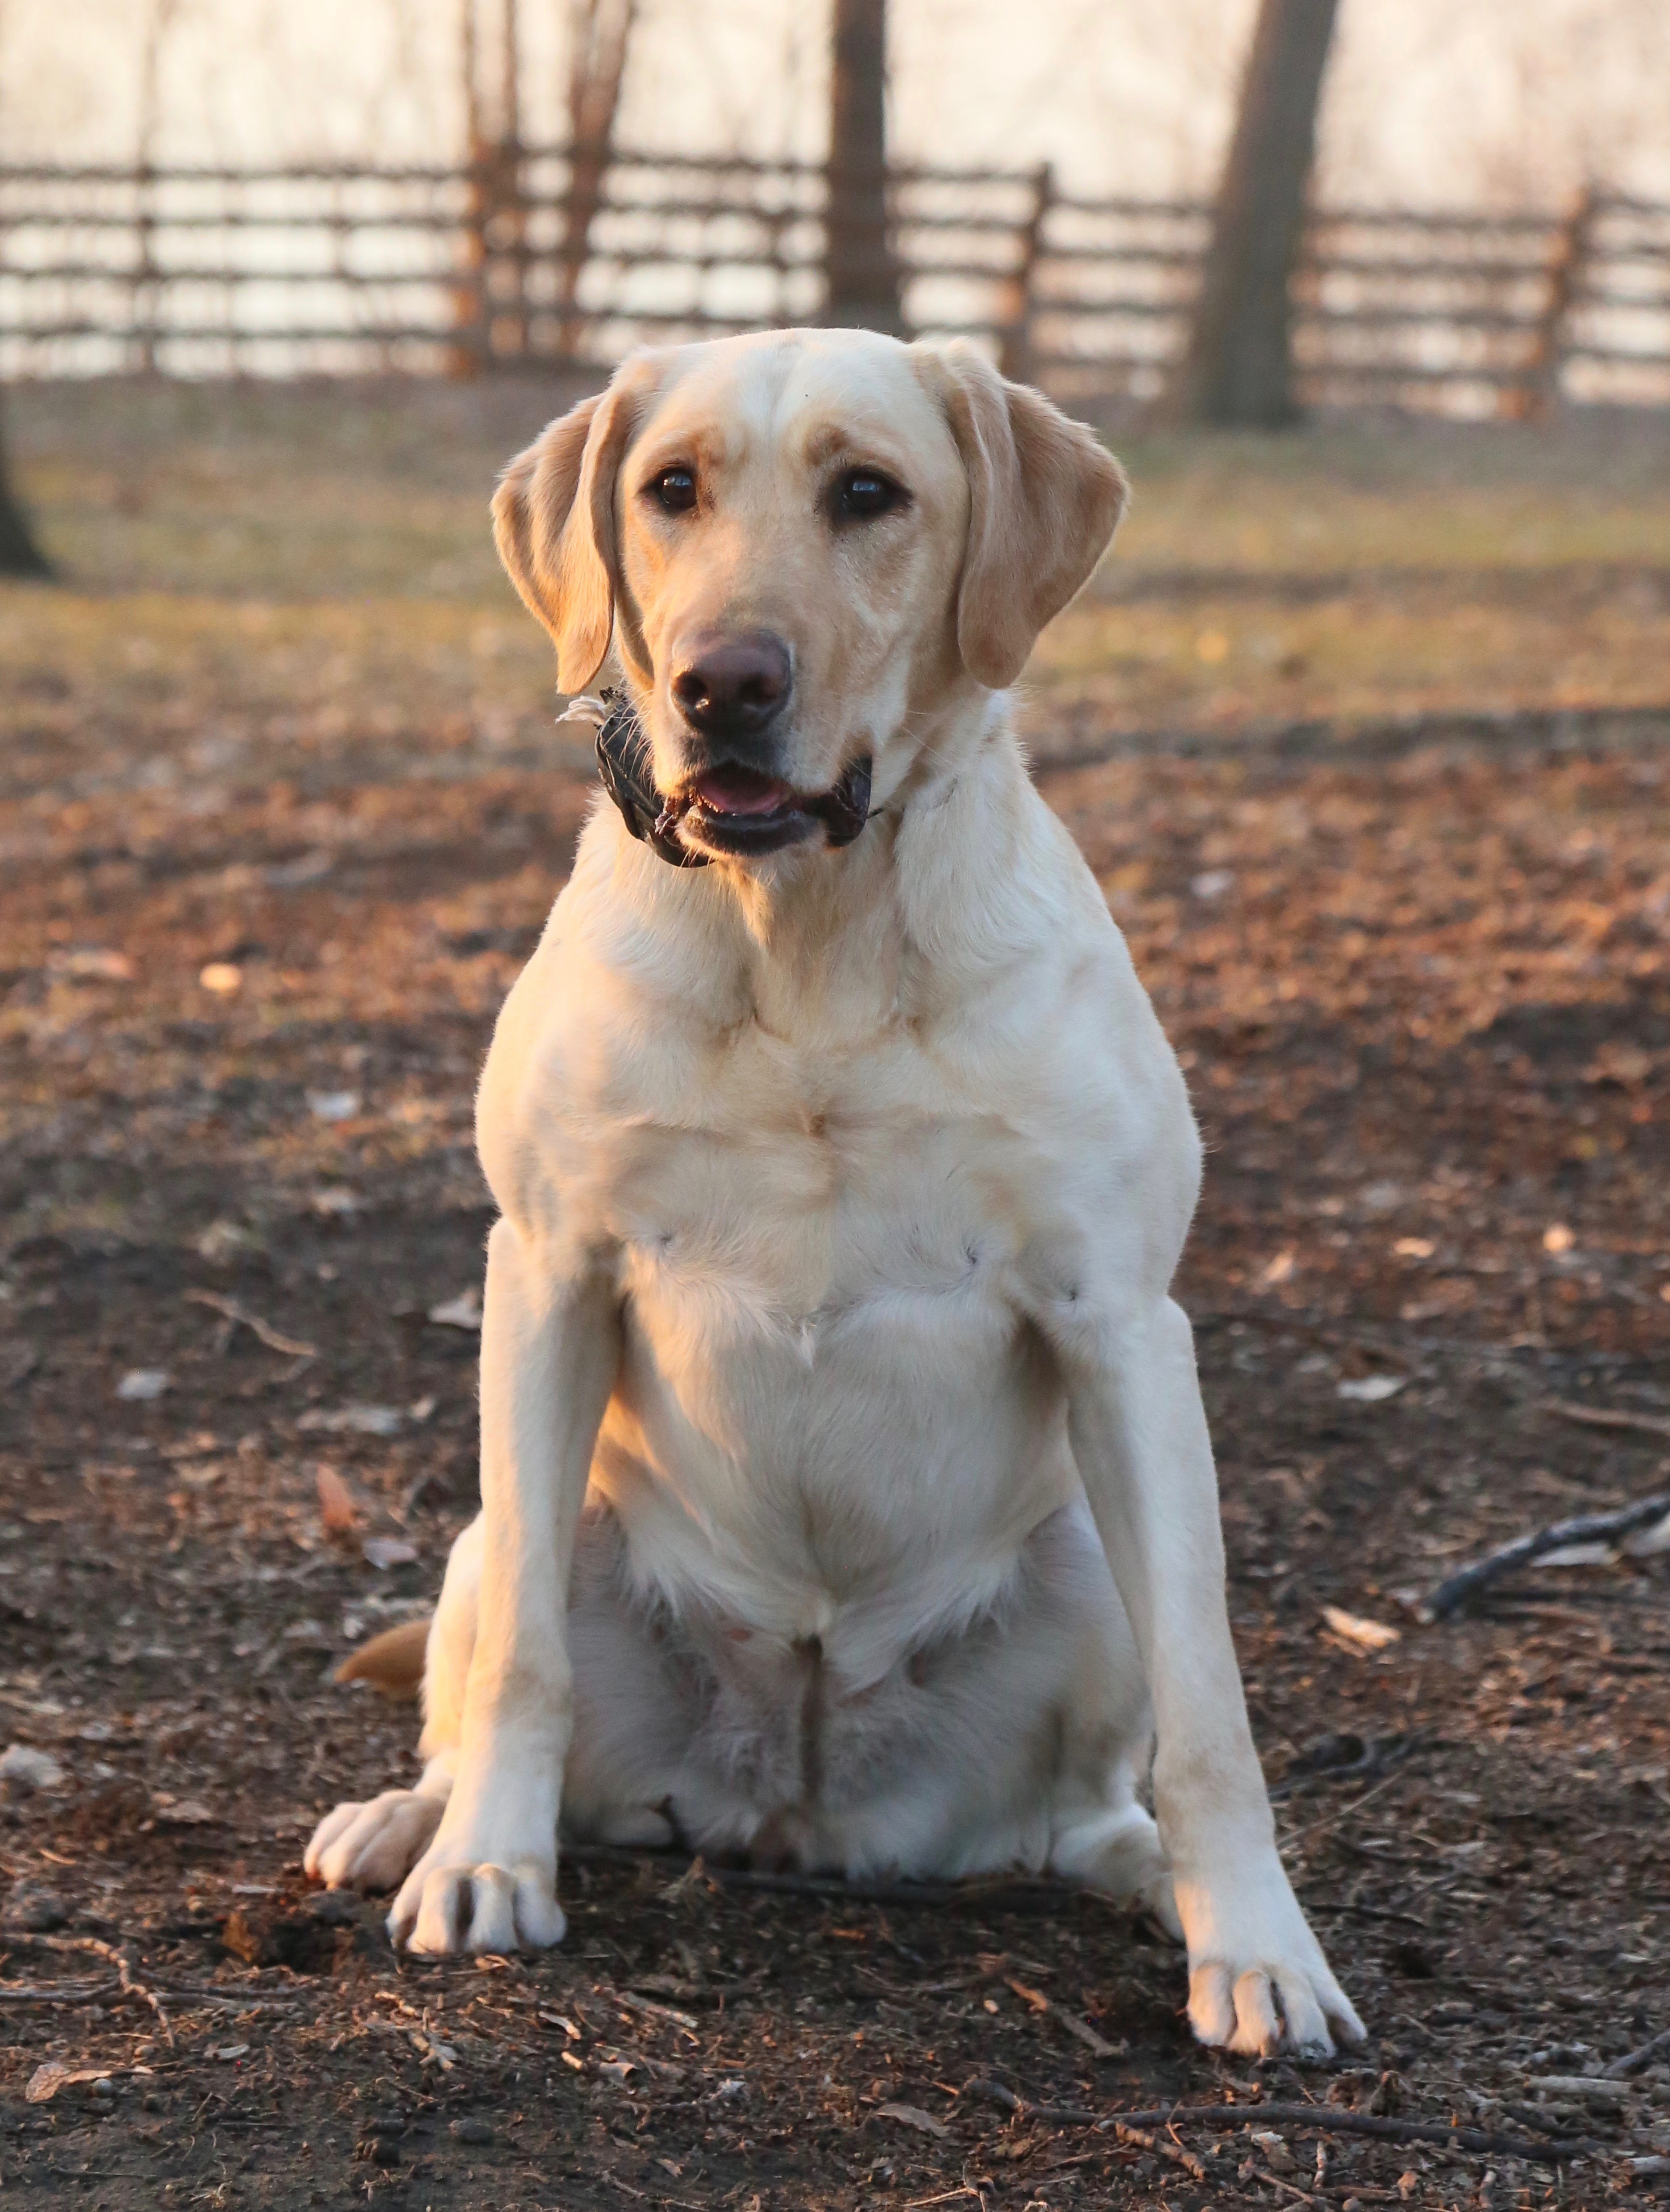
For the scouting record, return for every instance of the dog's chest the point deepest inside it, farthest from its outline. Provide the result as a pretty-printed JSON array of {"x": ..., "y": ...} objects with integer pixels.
[{"x": 817, "y": 1208}]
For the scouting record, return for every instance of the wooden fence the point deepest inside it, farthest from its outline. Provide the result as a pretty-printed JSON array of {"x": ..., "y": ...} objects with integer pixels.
[{"x": 463, "y": 270}]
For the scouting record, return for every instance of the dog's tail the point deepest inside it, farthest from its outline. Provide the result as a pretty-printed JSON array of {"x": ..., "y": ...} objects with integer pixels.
[{"x": 392, "y": 1663}]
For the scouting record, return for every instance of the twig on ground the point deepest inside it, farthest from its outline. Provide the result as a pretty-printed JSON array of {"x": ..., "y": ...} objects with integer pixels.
[
  {"x": 237, "y": 1316},
  {"x": 1268, "y": 2180},
  {"x": 1329, "y": 1819},
  {"x": 131, "y": 1987},
  {"x": 68, "y": 1993},
  {"x": 1335, "y": 2120},
  {"x": 1633, "y": 2061},
  {"x": 1080, "y": 2030},
  {"x": 1140, "y": 2139},
  {"x": 1582, "y": 1528},
  {"x": 1610, "y": 1417},
  {"x": 650, "y": 2010}
]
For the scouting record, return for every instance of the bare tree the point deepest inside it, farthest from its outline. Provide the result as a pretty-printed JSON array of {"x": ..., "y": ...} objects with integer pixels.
[
  {"x": 862, "y": 277},
  {"x": 20, "y": 555},
  {"x": 1237, "y": 367},
  {"x": 599, "y": 36}
]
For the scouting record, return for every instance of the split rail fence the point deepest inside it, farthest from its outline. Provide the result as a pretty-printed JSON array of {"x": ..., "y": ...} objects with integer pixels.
[{"x": 465, "y": 269}]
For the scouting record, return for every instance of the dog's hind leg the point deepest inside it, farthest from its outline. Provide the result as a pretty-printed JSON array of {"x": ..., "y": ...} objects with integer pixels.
[
  {"x": 629, "y": 1734},
  {"x": 375, "y": 1845},
  {"x": 1102, "y": 1835}
]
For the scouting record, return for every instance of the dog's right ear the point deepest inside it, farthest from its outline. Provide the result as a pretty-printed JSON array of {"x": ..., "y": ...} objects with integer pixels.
[{"x": 554, "y": 524}]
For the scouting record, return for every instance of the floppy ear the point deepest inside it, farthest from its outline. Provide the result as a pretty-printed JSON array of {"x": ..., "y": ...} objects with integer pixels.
[
  {"x": 554, "y": 524},
  {"x": 1045, "y": 497}
]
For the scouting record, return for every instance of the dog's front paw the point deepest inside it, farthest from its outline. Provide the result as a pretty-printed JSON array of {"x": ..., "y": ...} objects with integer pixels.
[
  {"x": 1257, "y": 1981},
  {"x": 371, "y": 1846},
  {"x": 457, "y": 1899}
]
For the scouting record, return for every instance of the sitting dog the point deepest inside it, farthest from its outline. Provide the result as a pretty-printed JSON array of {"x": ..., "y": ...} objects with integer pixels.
[{"x": 846, "y": 1497}]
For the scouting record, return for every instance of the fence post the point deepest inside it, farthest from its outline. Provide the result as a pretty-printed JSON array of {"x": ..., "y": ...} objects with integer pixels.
[
  {"x": 1015, "y": 317},
  {"x": 1540, "y": 391},
  {"x": 471, "y": 319},
  {"x": 144, "y": 269}
]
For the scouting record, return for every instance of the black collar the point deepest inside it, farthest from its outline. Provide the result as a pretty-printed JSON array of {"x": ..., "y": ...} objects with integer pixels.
[{"x": 623, "y": 764}]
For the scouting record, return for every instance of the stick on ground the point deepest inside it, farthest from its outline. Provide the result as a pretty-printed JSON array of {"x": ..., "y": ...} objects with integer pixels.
[
  {"x": 1335, "y": 2120},
  {"x": 1633, "y": 2061},
  {"x": 1584, "y": 1529}
]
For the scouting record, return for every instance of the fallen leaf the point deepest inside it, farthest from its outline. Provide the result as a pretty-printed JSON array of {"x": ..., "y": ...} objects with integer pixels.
[
  {"x": 386, "y": 1552},
  {"x": 48, "y": 2079},
  {"x": 34, "y": 1769},
  {"x": 1356, "y": 1628},
  {"x": 185, "y": 1813},
  {"x": 221, "y": 977},
  {"x": 1414, "y": 1247},
  {"x": 336, "y": 1502},
  {"x": 1280, "y": 1270},
  {"x": 231, "y": 2051},
  {"x": 336, "y": 1198},
  {"x": 1558, "y": 1239},
  {"x": 913, "y": 2116},
  {"x": 1274, "y": 2149},
  {"x": 141, "y": 1384},
  {"x": 1372, "y": 1390},
  {"x": 92, "y": 964},
  {"x": 358, "y": 1420},
  {"x": 465, "y": 1311},
  {"x": 333, "y": 1105}
]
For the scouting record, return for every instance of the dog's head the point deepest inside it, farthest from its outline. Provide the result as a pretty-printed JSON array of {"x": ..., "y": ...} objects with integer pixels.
[{"x": 801, "y": 544}]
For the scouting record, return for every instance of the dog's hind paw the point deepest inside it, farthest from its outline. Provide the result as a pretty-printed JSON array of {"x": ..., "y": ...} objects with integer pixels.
[{"x": 374, "y": 1846}]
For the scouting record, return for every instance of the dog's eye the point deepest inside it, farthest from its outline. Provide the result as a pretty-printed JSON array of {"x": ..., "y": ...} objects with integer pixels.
[
  {"x": 862, "y": 493},
  {"x": 674, "y": 489}
]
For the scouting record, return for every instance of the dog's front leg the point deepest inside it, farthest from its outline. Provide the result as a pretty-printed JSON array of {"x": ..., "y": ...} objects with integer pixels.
[
  {"x": 1139, "y": 1437},
  {"x": 550, "y": 1350}
]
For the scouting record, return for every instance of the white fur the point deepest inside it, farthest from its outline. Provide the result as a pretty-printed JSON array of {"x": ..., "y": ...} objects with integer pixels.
[{"x": 847, "y": 1494}]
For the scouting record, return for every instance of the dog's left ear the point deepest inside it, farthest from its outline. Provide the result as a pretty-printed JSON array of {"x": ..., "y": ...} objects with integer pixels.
[
  {"x": 554, "y": 524},
  {"x": 1045, "y": 497}
]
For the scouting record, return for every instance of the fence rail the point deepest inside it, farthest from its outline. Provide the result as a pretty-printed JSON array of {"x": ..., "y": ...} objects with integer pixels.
[{"x": 462, "y": 270}]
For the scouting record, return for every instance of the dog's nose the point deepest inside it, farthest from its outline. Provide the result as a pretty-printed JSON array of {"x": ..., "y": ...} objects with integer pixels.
[{"x": 733, "y": 687}]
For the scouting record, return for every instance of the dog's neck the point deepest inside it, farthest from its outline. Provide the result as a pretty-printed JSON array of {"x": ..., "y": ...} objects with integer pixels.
[{"x": 859, "y": 933}]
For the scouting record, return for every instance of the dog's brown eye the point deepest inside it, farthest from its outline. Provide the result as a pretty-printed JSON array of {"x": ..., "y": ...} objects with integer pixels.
[
  {"x": 674, "y": 489},
  {"x": 862, "y": 493}
]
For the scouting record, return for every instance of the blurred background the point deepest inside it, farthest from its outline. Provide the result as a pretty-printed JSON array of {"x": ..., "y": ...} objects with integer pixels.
[{"x": 1362, "y": 728}]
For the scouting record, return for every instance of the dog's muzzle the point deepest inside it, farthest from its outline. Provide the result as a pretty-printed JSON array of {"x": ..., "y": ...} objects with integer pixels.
[{"x": 623, "y": 764}]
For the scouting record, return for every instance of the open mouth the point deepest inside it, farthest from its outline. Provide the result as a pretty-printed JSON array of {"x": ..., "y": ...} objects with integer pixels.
[{"x": 732, "y": 809}]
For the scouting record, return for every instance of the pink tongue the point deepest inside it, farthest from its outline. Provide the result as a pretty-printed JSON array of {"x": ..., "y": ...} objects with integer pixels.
[{"x": 738, "y": 791}]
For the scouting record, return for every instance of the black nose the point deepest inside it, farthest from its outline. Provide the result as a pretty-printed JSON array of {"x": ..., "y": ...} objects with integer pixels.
[{"x": 733, "y": 687}]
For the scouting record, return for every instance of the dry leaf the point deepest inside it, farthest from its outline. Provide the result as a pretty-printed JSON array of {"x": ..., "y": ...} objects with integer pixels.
[
  {"x": 465, "y": 1311},
  {"x": 1367, "y": 1635},
  {"x": 34, "y": 1769},
  {"x": 1372, "y": 1390},
  {"x": 142, "y": 1384},
  {"x": 913, "y": 2116},
  {"x": 386, "y": 1552},
  {"x": 335, "y": 1503},
  {"x": 48, "y": 2079}
]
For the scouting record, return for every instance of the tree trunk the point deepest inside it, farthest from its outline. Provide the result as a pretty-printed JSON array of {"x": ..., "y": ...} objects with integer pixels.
[
  {"x": 600, "y": 33},
  {"x": 19, "y": 554},
  {"x": 862, "y": 278},
  {"x": 1238, "y": 365}
]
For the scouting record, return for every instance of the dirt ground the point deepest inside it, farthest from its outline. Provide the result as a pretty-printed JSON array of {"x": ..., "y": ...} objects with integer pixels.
[{"x": 1380, "y": 798}]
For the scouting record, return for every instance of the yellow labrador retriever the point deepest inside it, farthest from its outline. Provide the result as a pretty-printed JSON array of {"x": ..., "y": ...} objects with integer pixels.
[{"x": 847, "y": 1499}]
